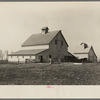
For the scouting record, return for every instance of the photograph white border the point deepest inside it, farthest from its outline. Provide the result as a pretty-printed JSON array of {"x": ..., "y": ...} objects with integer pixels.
[
  {"x": 57, "y": 91},
  {"x": 42, "y": 91}
]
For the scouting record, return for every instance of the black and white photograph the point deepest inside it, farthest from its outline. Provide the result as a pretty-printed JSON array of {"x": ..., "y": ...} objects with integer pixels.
[{"x": 49, "y": 43}]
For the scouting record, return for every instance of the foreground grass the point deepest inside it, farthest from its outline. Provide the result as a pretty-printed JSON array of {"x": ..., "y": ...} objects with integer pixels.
[{"x": 46, "y": 74}]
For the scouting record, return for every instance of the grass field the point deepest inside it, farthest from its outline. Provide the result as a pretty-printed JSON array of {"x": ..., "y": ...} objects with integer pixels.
[{"x": 50, "y": 74}]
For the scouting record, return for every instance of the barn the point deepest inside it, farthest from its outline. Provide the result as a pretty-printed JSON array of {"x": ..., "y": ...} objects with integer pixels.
[
  {"x": 43, "y": 47},
  {"x": 85, "y": 53}
]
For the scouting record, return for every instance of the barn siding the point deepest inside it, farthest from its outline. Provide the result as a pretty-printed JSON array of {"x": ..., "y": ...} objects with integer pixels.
[
  {"x": 20, "y": 59},
  {"x": 56, "y": 50},
  {"x": 45, "y": 55},
  {"x": 91, "y": 56}
]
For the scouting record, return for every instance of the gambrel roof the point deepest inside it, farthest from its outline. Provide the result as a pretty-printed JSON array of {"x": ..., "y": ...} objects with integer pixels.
[{"x": 41, "y": 39}]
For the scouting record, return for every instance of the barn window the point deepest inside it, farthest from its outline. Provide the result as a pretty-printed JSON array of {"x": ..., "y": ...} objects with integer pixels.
[
  {"x": 61, "y": 42},
  {"x": 55, "y": 41}
]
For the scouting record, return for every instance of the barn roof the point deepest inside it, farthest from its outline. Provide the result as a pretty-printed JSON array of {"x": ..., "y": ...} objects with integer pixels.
[
  {"x": 81, "y": 50},
  {"x": 70, "y": 54},
  {"x": 27, "y": 52},
  {"x": 39, "y": 39}
]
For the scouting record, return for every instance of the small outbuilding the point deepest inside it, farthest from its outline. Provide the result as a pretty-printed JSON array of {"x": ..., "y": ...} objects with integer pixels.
[{"x": 85, "y": 53}]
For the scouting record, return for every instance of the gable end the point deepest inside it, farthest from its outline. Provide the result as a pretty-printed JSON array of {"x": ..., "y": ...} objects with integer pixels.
[
  {"x": 93, "y": 51},
  {"x": 61, "y": 35}
]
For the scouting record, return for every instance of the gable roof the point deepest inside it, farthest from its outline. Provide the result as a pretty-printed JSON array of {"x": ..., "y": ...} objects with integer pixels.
[
  {"x": 27, "y": 52},
  {"x": 80, "y": 50},
  {"x": 40, "y": 39}
]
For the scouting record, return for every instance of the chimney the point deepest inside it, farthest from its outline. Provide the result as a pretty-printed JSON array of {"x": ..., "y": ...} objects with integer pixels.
[{"x": 45, "y": 30}]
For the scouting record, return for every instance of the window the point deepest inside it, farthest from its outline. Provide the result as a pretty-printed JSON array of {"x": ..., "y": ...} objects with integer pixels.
[
  {"x": 55, "y": 41},
  {"x": 23, "y": 56},
  {"x": 61, "y": 42},
  {"x": 30, "y": 56}
]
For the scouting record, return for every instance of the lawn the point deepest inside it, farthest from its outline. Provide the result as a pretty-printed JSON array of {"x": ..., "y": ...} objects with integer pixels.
[{"x": 50, "y": 74}]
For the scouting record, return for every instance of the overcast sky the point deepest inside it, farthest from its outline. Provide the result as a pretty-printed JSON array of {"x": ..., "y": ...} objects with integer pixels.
[{"x": 79, "y": 22}]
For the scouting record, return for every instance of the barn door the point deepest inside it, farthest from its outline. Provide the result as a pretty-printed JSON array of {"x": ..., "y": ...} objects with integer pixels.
[{"x": 41, "y": 58}]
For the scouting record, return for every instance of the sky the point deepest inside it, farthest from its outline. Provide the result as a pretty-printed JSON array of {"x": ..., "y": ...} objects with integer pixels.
[{"x": 79, "y": 22}]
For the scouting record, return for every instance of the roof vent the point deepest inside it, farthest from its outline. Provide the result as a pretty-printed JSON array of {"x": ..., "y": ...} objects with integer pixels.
[
  {"x": 45, "y": 30},
  {"x": 85, "y": 45}
]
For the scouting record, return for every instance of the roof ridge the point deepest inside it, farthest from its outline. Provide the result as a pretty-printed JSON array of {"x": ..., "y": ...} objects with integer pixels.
[{"x": 46, "y": 33}]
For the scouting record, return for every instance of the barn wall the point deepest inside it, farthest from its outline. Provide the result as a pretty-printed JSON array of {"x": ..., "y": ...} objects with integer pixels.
[
  {"x": 21, "y": 59},
  {"x": 45, "y": 55},
  {"x": 92, "y": 56},
  {"x": 58, "y": 50}
]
